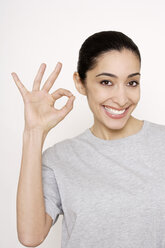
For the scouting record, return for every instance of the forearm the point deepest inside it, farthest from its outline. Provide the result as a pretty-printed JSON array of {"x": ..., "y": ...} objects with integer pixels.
[{"x": 30, "y": 201}]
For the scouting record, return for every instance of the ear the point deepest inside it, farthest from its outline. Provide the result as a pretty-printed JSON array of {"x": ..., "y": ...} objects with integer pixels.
[{"x": 78, "y": 84}]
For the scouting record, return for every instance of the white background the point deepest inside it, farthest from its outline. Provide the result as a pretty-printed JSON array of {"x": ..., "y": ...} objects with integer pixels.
[{"x": 37, "y": 31}]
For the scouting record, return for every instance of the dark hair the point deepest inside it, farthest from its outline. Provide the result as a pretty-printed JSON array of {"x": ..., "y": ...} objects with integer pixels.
[{"x": 100, "y": 43}]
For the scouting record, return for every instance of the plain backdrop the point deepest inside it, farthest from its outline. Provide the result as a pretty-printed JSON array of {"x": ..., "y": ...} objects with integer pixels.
[{"x": 37, "y": 31}]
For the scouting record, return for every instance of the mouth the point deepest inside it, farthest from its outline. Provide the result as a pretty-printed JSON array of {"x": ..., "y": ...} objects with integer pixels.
[
  {"x": 113, "y": 113},
  {"x": 113, "y": 108}
]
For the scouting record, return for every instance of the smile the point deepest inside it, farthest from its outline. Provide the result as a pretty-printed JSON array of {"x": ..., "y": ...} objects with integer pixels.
[{"x": 115, "y": 112}]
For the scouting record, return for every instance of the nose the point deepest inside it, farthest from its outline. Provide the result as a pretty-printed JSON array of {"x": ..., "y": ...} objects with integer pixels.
[{"x": 120, "y": 96}]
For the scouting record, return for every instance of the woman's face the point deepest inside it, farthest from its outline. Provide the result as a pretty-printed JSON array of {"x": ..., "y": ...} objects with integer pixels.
[{"x": 120, "y": 90}]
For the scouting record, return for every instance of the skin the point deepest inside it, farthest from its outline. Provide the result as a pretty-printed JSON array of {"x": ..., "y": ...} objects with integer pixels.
[{"x": 117, "y": 92}]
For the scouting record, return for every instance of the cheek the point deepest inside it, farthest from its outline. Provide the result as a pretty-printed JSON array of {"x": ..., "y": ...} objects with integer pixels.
[
  {"x": 98, "y": 95},
  {"x": 135, "y": 96}
]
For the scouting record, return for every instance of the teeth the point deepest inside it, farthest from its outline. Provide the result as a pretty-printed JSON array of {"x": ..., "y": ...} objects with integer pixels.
[{"x": 112, "y": 111}]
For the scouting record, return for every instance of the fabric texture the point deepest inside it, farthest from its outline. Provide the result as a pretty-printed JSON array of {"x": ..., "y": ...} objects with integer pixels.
[{"x": 111, "y": 193}]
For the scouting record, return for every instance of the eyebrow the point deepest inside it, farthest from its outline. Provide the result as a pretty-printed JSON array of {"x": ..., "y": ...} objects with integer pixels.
[{"x": 112, "y": 75}]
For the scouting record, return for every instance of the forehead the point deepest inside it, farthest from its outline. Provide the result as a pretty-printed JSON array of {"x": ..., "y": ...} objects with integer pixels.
[{"x": 117, "y": 62}]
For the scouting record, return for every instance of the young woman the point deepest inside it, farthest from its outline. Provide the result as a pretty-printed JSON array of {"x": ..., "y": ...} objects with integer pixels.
[{"x": 109, "y": 181}]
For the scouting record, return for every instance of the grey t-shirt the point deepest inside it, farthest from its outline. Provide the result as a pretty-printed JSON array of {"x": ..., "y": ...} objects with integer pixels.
[{"x": 111, "y": 193}]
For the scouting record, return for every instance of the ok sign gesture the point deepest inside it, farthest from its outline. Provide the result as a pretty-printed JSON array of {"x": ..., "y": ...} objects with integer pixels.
[{"x": 39, "y": 110}]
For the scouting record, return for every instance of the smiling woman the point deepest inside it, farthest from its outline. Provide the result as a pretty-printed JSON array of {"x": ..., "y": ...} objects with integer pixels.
[
  {"x": 108, "y": 181},
  {"x": 110, "y": 59}
]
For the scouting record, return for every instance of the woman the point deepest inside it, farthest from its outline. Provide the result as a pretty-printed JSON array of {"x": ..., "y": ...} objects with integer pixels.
[{"x": 107, "y": 182}]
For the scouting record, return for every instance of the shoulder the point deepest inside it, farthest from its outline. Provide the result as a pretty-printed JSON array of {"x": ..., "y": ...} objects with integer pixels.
[
  {"x": 156, "y": 131},
  {"x": 64, "y": 149},
  {"x": 160, "y": 128}
]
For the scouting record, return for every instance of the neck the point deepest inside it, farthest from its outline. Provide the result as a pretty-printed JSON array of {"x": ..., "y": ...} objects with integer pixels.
[{"x": 131, "y": 127}]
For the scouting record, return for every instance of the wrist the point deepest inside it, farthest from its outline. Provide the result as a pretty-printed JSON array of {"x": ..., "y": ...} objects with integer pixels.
[
  {"x": 34, "y": 130},
  {"x": 35, "y": 133}
]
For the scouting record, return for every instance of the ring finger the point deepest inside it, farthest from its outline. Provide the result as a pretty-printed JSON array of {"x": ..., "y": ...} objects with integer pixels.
[
  {"x": 38, "y": 78},
  {"x": 49, "y": 82}
]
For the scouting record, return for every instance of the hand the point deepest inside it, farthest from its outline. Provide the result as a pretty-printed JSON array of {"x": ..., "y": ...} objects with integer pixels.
[{"x": 39, "y": 110}]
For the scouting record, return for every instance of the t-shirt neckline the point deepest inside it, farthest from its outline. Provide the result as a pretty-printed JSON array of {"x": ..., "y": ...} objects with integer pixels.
[{"x": 117, "y": 141}]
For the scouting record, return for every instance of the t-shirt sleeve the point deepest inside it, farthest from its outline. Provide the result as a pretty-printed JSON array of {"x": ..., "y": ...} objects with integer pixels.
[{"x": 50, "y": 189}]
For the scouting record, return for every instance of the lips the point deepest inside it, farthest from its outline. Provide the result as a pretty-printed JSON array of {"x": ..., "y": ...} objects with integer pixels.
[
  {"x": 115, "y": 108},
  {"x": 112, "y": 115}
]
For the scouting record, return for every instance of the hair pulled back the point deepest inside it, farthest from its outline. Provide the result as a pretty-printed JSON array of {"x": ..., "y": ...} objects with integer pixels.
[{"x": 100, "y": 43}]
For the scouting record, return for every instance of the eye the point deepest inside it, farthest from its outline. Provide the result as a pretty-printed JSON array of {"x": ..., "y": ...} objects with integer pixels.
[
  {"x": 134, "y": 82},
  {"x": 105, "y": 82}
]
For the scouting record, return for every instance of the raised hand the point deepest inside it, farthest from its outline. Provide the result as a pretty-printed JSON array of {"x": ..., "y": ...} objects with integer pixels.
[{"x": 39, "y": 110}]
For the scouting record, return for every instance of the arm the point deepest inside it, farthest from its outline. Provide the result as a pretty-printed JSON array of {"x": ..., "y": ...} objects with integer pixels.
[
  {"x": 41, "y": 116},
  {"x": 31, "y": 219}
]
